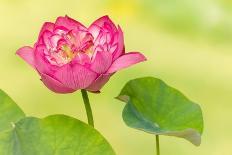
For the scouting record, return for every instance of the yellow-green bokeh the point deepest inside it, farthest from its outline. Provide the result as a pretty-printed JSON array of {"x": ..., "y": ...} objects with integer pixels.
[{"x": 188, "y": 44}]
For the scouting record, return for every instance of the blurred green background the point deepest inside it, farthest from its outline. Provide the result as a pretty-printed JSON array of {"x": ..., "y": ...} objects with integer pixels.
[{"x": 188, "y": 44}]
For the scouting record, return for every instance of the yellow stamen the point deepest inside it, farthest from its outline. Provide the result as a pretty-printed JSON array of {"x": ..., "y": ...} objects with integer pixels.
[
  {"x": 68, "y": 53},
  {"x": 89, "y": 51}
]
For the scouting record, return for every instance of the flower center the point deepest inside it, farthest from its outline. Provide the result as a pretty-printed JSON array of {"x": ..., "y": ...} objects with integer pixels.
[
  {"x": 71, "y": 46},
  {"x": 67, "y": 53}
]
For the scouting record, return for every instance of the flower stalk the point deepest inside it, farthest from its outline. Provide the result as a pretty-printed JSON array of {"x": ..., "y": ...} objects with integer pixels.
[
  {"x": 157, "y": 145},
  {"x": 87, "y": 107}
]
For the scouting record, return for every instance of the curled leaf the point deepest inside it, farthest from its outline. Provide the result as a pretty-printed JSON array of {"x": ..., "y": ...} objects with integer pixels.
[{"x": 154, "y": 107}]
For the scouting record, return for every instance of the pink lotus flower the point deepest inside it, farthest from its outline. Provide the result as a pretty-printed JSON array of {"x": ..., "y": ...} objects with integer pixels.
[{"x": 68, "y": 56}]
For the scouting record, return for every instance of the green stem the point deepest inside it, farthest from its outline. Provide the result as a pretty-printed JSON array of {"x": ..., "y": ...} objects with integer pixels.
[
  {"x": 87, "y": 107},
  {"x": 157, "y": 145}
]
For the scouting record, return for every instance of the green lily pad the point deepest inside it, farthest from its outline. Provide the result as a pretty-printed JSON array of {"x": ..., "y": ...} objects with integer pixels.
[
  {"x": 9, "y": 112},
  {"x": 53, "y": 135},
  {"x": 154, "y": 107}
]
